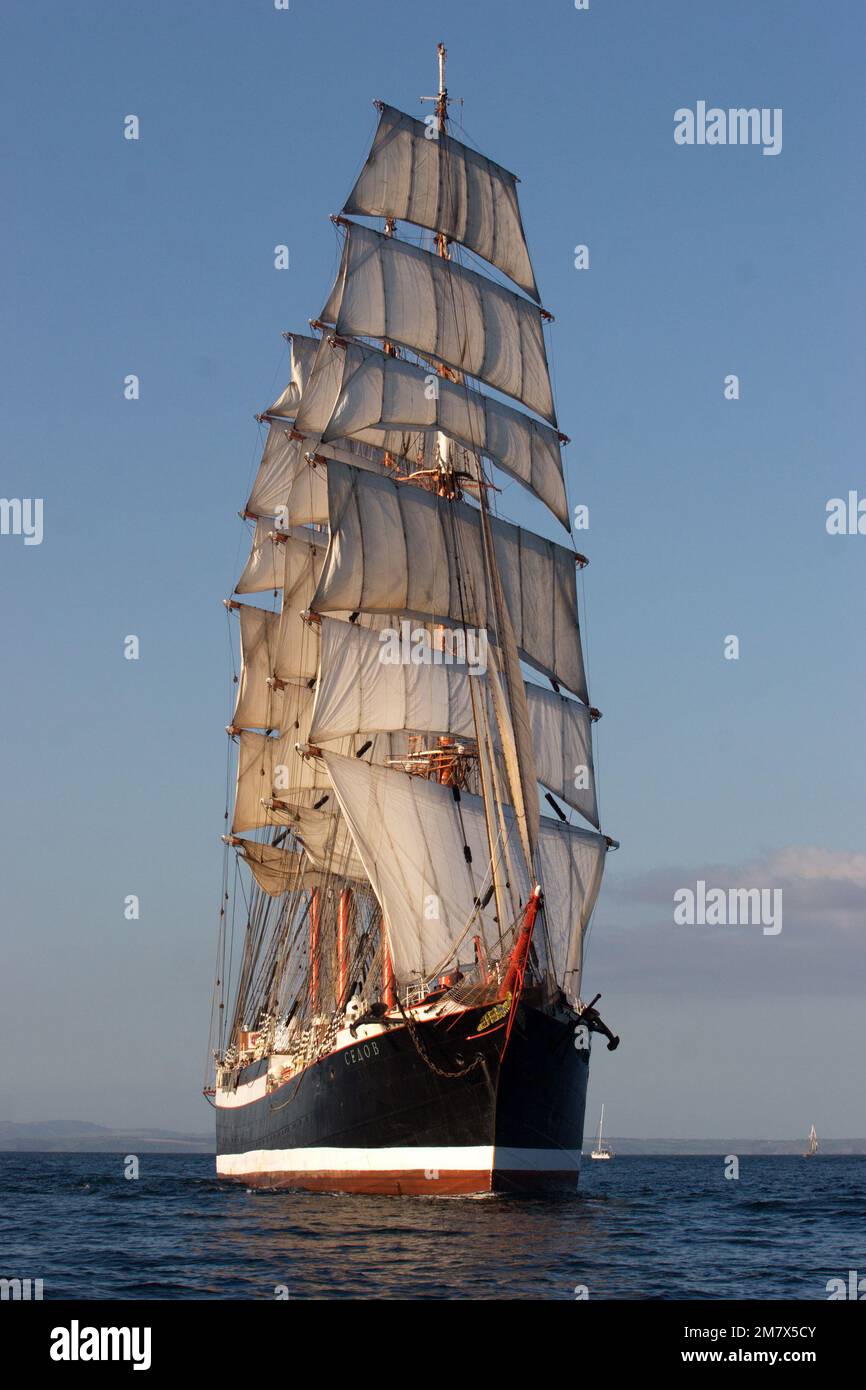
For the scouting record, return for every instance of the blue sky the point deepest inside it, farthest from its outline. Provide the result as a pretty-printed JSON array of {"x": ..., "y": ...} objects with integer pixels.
[{"x": 706, "y": 516}]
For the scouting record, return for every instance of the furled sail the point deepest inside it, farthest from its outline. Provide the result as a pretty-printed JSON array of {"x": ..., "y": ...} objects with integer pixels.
[
  {"x": 447, "y": 187},
  {"x": 303, "y": 355},
  {"x": 380, "y": 393},
  {"x": 388, "y": 289},
  {"x": 401, "y": 549},
  {"x": 411, "y": 835}
]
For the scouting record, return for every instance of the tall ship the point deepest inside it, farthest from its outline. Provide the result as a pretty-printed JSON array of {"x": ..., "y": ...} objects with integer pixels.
[{"x": 412, "y": 848}]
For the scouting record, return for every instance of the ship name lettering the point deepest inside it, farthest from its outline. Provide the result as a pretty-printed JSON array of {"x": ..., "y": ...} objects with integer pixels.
[{"x": 360, "y": 1053}]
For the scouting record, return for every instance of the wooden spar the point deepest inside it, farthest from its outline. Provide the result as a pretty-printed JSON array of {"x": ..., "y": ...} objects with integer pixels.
[
  {"x": 448, "y": 489},
  {"x": 481, "y": 956},
  {"x": 314, "y": 950},
  {"x": 513, "y": 982},
  {"x": 343, "y": 914},
  {"x": 441, "y": 100},
  {"x": 442, "y": 103},
  {"x": 441, "y": 120},
  {"x": 389, "y": 993}
]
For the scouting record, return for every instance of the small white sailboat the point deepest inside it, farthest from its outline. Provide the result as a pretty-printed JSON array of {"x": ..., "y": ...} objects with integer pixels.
[
  {"x": 601, "y": 1149},
  {"x": 813, "y": 1143}
]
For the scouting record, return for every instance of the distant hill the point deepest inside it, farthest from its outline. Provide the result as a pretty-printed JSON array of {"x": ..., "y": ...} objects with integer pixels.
[{"x": 79, "y": 1136}]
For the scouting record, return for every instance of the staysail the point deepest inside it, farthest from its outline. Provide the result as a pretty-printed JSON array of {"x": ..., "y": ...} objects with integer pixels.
[{"x": 412, "y": 837}]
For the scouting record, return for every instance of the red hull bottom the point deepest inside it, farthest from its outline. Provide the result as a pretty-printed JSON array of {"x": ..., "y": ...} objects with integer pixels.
[{"x": 409, "y": 1183}]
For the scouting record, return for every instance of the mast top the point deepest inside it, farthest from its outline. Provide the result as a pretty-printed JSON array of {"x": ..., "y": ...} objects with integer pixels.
[{"x": 442, "y": 98}]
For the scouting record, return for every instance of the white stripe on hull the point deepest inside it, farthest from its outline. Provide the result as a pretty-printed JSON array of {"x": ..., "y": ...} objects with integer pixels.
[{"x": 459, "y": 1158}]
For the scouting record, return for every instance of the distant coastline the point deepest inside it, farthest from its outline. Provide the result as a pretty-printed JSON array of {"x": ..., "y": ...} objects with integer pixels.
[
  {"x": 755, "y": 1148},
  {"x": 81, "y": 1136}
]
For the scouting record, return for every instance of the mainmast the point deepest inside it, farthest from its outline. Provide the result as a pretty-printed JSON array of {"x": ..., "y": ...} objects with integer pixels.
[{"x": 448, "y": 488}]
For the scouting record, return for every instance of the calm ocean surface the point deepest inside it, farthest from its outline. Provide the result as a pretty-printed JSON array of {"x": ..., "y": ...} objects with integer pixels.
[{"x": 639, "y": 1228}]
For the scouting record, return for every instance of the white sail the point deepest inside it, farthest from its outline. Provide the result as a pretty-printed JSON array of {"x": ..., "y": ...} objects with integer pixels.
[
  {"x": 280, "y": 561},
  {"x": 388, "y": 289},
  {"x": 258, "y": 705},
  {"x": 303, "y": 355},
  {"x": 306, "y": 501},
  {"x": 562, "y": 739},
  {"x": 275, "y": 870},
  {"x": 393, "y": 549},
  {"x": 324, "y": 836},
  {"x": 571, "y": 862},
  {"x": 335, "y": 361},
  {"x": 273, "y": 770},
  {"x": 377, "y": 682},
  {"x": 288, "y": 443},
  {"x": 325, "y": 382},
  {"x": 282, "y": 461},
  {"x": 264, "y": 568},
  {"x": 276, "y": 648},
  {"x": 255, "y": 780},
  {"x": 366, "y": 684},
  {"x": 511, "y": 714},
  {"x": 383, "y": 393},
  {"x": 411, "y": 834},
  {"x": 447, "y": 187}
]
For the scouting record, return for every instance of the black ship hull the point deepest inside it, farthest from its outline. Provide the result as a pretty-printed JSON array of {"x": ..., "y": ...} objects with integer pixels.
[{"x": 443, "y": 1106}]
